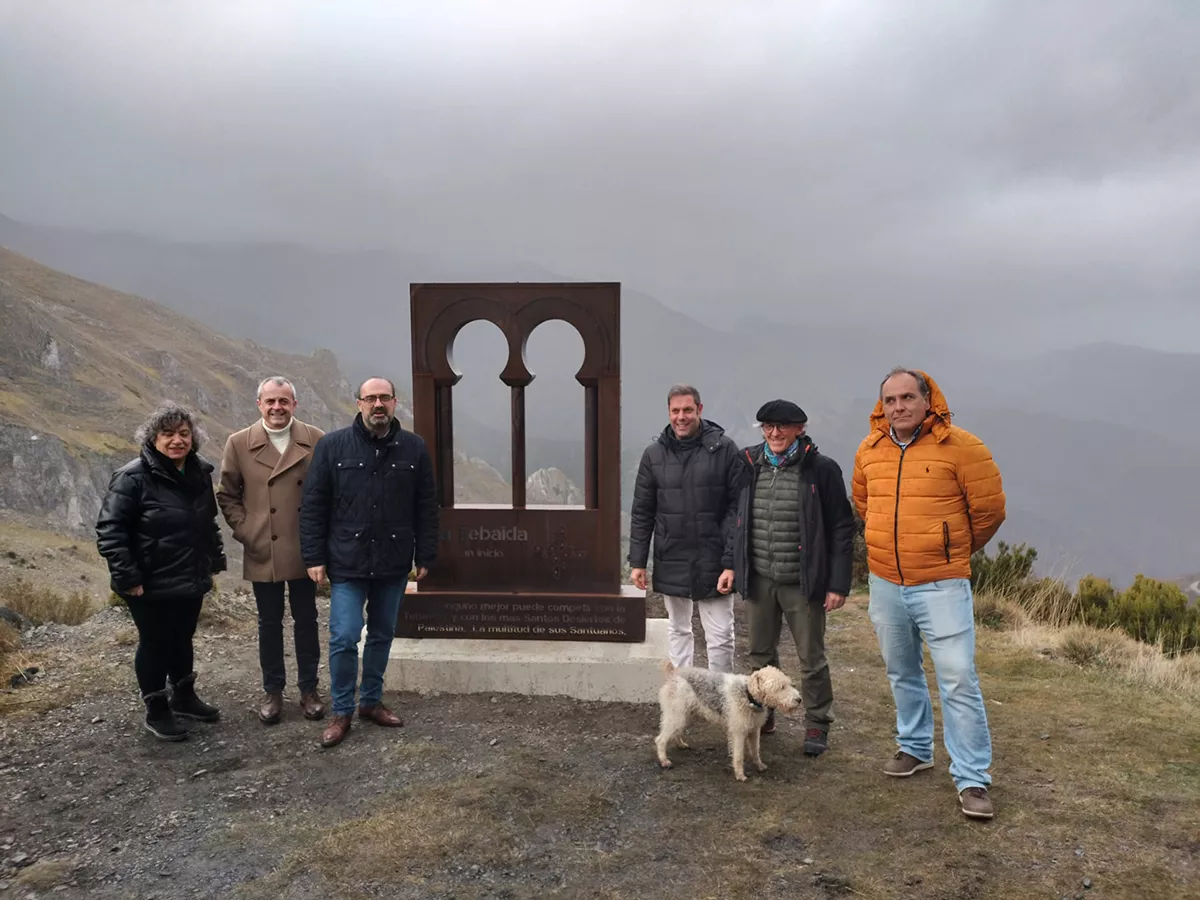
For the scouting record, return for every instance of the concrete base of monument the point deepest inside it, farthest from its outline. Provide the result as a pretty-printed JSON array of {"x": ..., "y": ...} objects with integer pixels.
[{"x": 604, "y": 671}]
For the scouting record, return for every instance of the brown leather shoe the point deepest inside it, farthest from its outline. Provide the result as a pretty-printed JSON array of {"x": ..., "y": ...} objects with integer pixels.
[
  {"x": 380, "y": 715},
  {"x": 975, "y": 803},
  {"x": 902, "y": 765},
  {"x": 336, "y": 731},
  {"x": 271, "y": 709},
  {"x": 313, "y": 705}
]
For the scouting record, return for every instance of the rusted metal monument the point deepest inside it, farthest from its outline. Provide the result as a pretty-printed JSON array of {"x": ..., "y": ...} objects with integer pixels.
[{"x": 520, "y": 571}]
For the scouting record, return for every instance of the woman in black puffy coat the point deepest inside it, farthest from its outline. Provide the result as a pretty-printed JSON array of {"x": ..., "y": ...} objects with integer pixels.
[{"x": 158, "y": 532}]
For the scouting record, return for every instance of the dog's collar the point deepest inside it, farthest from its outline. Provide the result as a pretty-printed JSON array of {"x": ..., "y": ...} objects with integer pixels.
[{"x": 753, "y": 702}]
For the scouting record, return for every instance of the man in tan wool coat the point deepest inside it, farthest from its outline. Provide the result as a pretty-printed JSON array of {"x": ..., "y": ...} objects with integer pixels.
[{"x": 262, "y": 480}]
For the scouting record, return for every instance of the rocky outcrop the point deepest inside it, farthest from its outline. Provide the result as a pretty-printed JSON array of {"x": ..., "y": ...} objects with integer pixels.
[
  {"x": 42, "y": 478},
  {"x": 551, "y": 487}
]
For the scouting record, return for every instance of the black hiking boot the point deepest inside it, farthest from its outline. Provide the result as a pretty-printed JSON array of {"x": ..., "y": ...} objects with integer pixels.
[
  {"x": 186, "y": 704},
  {"x": 816, "y": 741},
  {"x": 160, "y": 721}
]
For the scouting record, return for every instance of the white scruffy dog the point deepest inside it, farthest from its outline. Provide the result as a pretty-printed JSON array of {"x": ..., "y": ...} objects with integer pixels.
[{"x": 738, "y": 702}]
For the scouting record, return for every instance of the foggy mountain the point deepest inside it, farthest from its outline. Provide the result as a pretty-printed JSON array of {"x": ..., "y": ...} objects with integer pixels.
[{"x": 1098, "y": 463}]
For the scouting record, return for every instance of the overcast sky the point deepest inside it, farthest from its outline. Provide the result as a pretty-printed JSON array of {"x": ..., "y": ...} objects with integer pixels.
[{"x": 932, "y": 163}]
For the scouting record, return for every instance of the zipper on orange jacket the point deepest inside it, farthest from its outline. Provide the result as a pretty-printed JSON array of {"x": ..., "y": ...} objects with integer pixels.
[{"x": 896, "y": 516}]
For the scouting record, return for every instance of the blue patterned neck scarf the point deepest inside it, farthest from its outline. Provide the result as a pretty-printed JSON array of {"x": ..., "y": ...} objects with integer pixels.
[{"x": 782, "y": 457}]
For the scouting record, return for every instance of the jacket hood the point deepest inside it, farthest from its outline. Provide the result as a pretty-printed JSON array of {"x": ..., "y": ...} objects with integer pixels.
[
  {"x": 939, "y": 412},
  {"x": 710, "y": 434}
]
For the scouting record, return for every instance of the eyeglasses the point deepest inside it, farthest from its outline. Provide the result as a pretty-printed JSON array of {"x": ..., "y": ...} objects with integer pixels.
[
  {"x": 382, "y": 398},
  {"x": 768, "y": 428}
]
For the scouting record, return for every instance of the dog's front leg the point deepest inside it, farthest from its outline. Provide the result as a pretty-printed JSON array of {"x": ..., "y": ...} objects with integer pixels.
[
  {"x": 755, "y": 758},
  {"x": 737, "y": 746}
]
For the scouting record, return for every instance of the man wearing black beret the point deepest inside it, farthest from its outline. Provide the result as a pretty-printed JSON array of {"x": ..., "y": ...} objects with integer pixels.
[{"x": 792, "y": 555}]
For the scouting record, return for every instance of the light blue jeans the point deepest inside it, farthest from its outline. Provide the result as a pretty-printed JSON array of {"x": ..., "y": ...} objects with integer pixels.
[
  {"x": 941, "y": 614},
  {"x": 346, "y": 600}
]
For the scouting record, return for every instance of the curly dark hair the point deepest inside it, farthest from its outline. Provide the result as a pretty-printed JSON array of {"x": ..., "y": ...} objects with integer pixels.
[{"x": 169, "y": 417}]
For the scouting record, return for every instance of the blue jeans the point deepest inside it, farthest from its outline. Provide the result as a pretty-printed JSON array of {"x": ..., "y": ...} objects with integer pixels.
[
  {"x": 346, "y": 600},
  {"x": 942, "y": 614}
]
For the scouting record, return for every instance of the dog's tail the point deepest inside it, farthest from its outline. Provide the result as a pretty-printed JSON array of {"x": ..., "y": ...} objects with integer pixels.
[{"x": 668, "y": 667}]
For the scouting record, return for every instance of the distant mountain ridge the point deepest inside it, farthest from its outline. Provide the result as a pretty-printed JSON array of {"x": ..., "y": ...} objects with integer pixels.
[
  {"x": 1075, "y": 430},
  {"x": 82, "y": 365}
]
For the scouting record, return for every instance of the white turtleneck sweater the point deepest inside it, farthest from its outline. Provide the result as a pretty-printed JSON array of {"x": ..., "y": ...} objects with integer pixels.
[{"x": 280, "y": 437}]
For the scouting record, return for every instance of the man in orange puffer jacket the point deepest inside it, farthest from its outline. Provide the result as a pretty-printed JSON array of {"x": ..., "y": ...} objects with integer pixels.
[{"x": 930, "y": 495}]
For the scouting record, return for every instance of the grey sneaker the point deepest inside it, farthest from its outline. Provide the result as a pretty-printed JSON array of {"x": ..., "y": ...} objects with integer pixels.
[
  {"x": 975, "y": 803},
  {"x": 902, "y": 764}
]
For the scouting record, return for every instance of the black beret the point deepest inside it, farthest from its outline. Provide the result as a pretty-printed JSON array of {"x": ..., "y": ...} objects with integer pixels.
[{"x": 781, "y": 412}]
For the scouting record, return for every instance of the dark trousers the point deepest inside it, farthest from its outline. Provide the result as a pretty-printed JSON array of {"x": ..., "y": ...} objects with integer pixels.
[
  {"x": 165, "y": 632},
  {"x": 268, "y": 595},
  {"x": 768, "y": 605}
]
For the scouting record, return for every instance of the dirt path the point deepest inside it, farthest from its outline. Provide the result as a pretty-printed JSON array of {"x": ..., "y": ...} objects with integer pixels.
[{"x": 512, "y": 797}]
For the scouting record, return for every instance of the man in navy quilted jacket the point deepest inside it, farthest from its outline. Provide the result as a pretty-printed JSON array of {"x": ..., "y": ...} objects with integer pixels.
[{"x": 369, "y": 513}]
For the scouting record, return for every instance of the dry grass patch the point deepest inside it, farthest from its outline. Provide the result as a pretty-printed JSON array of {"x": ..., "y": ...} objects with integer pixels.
[
  {"x": 484, "y": 819},
  {"x": 228, "y": 611},
  {"x": 67, "y": 675},
  {"x": 1115, "y": 653},
  {"x": 10, "y": 639},
  {"x": 47, "y": 872},
  {"x": 1065, "y": 769},
  {"x": 41, "y": 604},
  {"x": 1000, "y": 613}
]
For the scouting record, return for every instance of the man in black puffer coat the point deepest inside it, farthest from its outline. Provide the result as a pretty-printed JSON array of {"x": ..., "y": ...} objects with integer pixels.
[
  {"x": 685, "y": 498},
  {"x": 369, "y": 512},
  {"x": 158, "y": 532}
]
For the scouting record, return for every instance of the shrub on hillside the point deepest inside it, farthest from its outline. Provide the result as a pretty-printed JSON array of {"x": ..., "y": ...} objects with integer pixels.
[
  {"x": 1097, "y": 597},
  {"x": 859, "y": 573},
  {"x": 1153, "y": 611},
  {"x": 1006, "y": 572}
]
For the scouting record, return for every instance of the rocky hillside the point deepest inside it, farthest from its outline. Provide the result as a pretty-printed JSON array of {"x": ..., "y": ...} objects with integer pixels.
[
  {"x": 81, "y": 365},
  {"x": 552, "y": 487}
]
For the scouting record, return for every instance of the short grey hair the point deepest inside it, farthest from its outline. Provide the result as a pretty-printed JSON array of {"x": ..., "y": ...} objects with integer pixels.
[
  {"x": 922, "y": 381},
  {"x": 683, "y": 390},
  {"x": 277, "y": 380},
  {"x": 169, "y": 417}
]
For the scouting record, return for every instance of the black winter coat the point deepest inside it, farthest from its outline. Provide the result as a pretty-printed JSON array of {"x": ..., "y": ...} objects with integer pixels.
[
  {"x": 370, "y": 504},
  {"x": 158, "y": 527},
  {"x": 826, "y": 526},
  {"x": 685, "y": 497}
]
